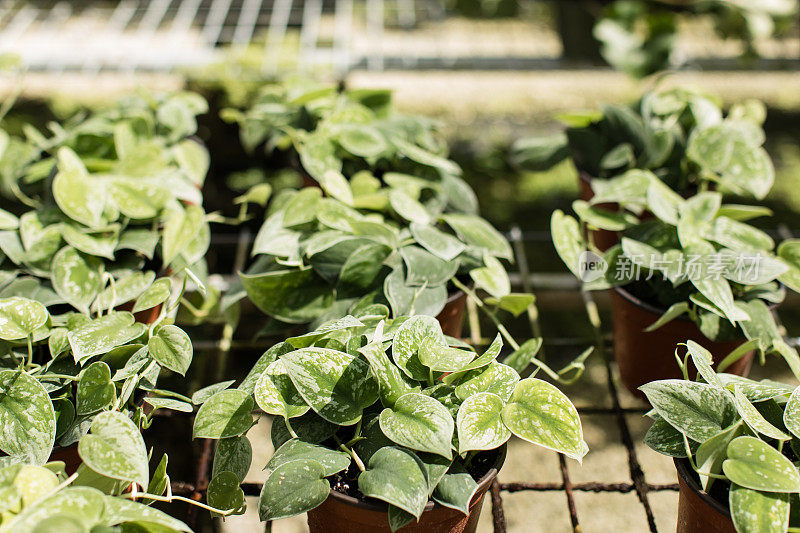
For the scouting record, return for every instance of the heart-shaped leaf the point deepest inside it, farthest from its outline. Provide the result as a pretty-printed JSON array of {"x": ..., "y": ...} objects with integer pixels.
[
  {"x": 424, "y": 268},
  {"x": 20, "y": 317},
  {"x": 172, "y": 348},
  {"x": 397, "y": 477},
  {"x": 95, "y": 389},
  {"x": 419, "y": 422},
  {"x": 492, "y": 278},
  {"x": 27, "y": 417},
  {"x": 293, "y": 488},
  {"x": 758, "y": 512},
  {"x": 698, "y": 410},
  {"x": 791, "y": 413},
  {"x": 480, "y": 424},
  {"x": 496, "y": 378},
  {"x": 332, "y": 461},
  {"x": 98, "y": 336},
  {"x": 276, "y": 394},
  {"x": 156, "y": 294},
  {"x": 567, "y": 239},
  {"x": 225, "y": 494},
  {"x": 80, "y": 197},
  {"x": 437, "y": 242},
  {"x": 336, "y": 385},
  {"x": 226, "y": 414},
  {"x": 124, "y": 290},
  {"x": 540, "y": 413},
  {"x": 409, "y": 339},
  {"x": 293, "y": 296},
  {"x": 102, "y": 243},
  {"x": 233, "y": 454},
  {"x": 443, "y": 358},
  {"x": 77, "y": 277},
  {"x": 456, "y": 489},
  {"x": 755, "y": 419},
  {"x": 115, "y": 448},
  {"x": 753, "y": 464},
  {"x": 179, "y": 231},
  {"x": 479, "y": 234}
]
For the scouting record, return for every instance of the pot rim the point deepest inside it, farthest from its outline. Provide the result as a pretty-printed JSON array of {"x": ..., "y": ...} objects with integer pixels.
[
  {"x": 455, "y": 296},
  {"x": 635, "y": 300},
  {"x": 383, "y": 507},
  {"x": 585, "y": 177},
  {"x": 683, "y": 472}
]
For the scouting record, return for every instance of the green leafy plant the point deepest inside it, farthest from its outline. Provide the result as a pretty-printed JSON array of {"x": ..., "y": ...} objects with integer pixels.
[
  {"x": 638, "y": 37},
  {"x": 317, "y": 130},
  {"x": 113, "y": 486},
  {"x": 678, "y": 134},
  {"x": 103, "y": 204},
  {"x": 696, "y": 256},
  {"x": 324, "y": 252},
  {"x": 390, "y": 406},
  {"x": 739, "y": 436},
  {"x": 391, "y": 223},
  {"x": 68, "y": 370}
]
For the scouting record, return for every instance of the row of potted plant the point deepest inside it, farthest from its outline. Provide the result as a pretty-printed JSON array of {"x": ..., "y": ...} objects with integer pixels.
[
  {"x": 652, "y": 225},
  {"x": 384, "y": 417},
  {"x": 102, "y": 224}
]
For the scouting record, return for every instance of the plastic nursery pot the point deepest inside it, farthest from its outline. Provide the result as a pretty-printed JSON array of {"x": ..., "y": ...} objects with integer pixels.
[
  {"x": 147, "y": 317},
  {"x": 644, "y": 356},
  {"x": 698, "y": 512},
  {"x": 344, "y": 514},
  {"x": 451, "y": 317},
  {"x": 603, "y": 239}
]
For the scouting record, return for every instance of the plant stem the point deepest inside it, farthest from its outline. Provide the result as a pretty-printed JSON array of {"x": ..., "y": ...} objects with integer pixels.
[
  {"x": 289, "y": 427},
  {"x": 492, "y": 316},
  {"x": 173, "y": 498},
  {"x": 356, "y": 459},
  {"x": 30, "y": 350}
]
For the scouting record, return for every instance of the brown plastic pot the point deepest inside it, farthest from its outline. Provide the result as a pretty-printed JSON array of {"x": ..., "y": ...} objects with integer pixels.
[
  {"x": 344, "y": 514},
  {"x": 68, "y": 455},
  {"x": 451, "y": 317},
  {"x": 698, "y": 512},
  {"x": 644, "y": 356},
  {"x": 147, "y": 317}
]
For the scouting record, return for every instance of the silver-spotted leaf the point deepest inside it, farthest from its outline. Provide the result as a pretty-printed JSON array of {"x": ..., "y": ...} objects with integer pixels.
[
  {"x": 419, "y": 422},
  {"x": 480, "y": 423},
  {"x": 540, "y": 413}
]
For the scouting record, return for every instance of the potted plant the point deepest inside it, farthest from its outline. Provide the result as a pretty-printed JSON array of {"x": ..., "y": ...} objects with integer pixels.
[
  {"x": 112, "y": 487},
  {"x": 680, "y": 135},
  {"x": 323, "y": 253},
  {"x": 112, "y": 199},
  {"x": 67, "y": 370},
  {"x": 382, "y": 424},
  {"x": 388, "y": 221},
  {"x": 733, "y": 441},
  {"x": 696, "y": 270}
]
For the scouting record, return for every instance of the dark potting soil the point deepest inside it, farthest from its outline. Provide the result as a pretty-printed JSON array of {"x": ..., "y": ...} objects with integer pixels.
[{"x": 346, "y": 481}]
